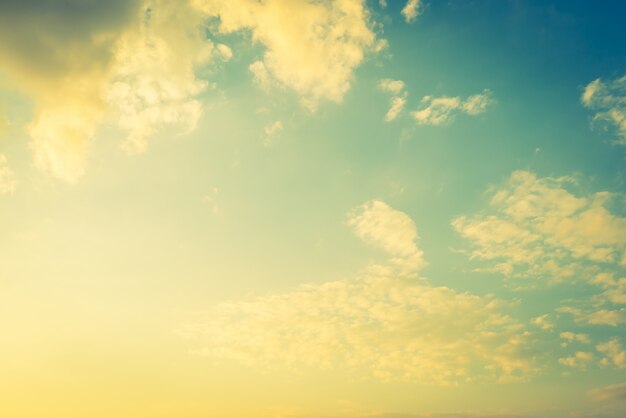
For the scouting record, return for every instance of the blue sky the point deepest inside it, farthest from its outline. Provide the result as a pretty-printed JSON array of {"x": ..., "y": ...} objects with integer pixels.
[{"x": 337, "y": 209}]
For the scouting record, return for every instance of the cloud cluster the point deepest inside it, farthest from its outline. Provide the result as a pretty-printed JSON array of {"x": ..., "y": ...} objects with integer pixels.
[
  {"x": 608, "y": 101},
  {"x": 381, "y": 324},
  {"x": 312, "y": 47},
  {"x": 536, "y": 227},
  {"x": 134, "y": 62},
  {"x": 440, "y": 110}
]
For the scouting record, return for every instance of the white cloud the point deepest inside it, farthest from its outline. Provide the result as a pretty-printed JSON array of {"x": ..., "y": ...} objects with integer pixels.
[
  {"x": 440, "y": 110},
  {"x": 411, "y": 10},
  {"x": 391, "y": 86},
  {"x": 135, "y": 62},
  {"x": 543, "y": 322},
  {"x": 579, "y": 360},
  {"x": 380, "y": 324},
  {"x": 538, "y": 228},
  {"x": 311, "y": 47},
  {"x": 8, "y": 182},
  {"x": 397, "y": 106},
  {"x": 572, "y": 337},
  {"x": 608, "y": 101},
  {"x": 394, "y": 231},
  {"x": 153, "y": 84},
  {"x": 614, "y": 353},
  {"x": 398, "y": 101}
]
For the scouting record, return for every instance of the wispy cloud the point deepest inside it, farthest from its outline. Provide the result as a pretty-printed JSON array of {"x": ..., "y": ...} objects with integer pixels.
[
  {"x": 440, "y": 110},
  {"x": 398, "y": 100},
  {"x": 608, "y": 100}
]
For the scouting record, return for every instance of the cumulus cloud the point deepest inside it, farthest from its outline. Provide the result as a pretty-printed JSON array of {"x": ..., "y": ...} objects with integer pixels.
[
  {"x": 572, "y": 337},
  {"x": 84, "y": 63},
  {"x": 394, "y": 231},
  {"x": 608, "y": 100},
  {"x": 440, "y": 110},
  {"x": 579, "y": 360},
  {"x": 398, "y": 100},
  {"x": 8, "y": 182},
  {"x": 312, "y": 47},
  {"x": 542, "y": 322},
  {"x": 381, "y": 324},
  {"x": 613, "y": 352},
  {"x": 60, "y": 54},
  {"x": 153, "y": 84},
  {"x": 411, "y": 10},
  {"x": 536, "y": 227}
]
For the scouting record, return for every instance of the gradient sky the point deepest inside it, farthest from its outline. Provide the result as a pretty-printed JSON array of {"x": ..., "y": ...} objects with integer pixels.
[{"x": 312, "y": 209}]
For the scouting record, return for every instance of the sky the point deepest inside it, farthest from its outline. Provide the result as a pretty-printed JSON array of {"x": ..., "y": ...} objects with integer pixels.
[{"x": 312, "y": 209}]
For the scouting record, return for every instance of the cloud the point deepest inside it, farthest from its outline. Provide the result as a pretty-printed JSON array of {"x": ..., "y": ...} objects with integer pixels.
[
  {"x": 135, "y": 63},
  {"x": 8, "y": 182},
  {"x": 572, "y": 337},
  {"x": 537, "y": 228},
  {"x": 311, "y": 47},
  {"x": 542, "y": 322},
  {"x": 579, "y": 360},
  {"x": 608, "y": 101},
  {"x": 391, "y": 86},
  {"x": 609, "y": 393},
  {"x": 153, "y": 84},
  {"x": 614, "y": 353},
  {"x": 83, "y": 63},
  {"x": 440, "y": 110},
  {"x": 60, "y": 55},
  {"x": 394, "y": 231},
  {"x": 379, "y": 324},
  {"x": 411, "y": 10},
  {"x": 398, "y": 101}
]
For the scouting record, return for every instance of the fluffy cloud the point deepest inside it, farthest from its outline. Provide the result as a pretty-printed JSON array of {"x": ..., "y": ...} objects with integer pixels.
[
  {"x": 411, "y": 10},
  {"x": 572, "y": 337},
  {"x": 394, "y": 231},
  {"x": 613, "y": 352},
  {"x": 312, "y": 47},
  {"x": 60, "y": 54},
  {"x": 398, "y": 100},
  {"x": 153, "y": 84},
  {"x": 8, "y": 182},
  {"x": 608, "y": 101},
  {"x": 84, "y": 63},
  {"x": 542, "y": 322},
  {"x": 579, "y": 360},
  {"x": 440, "y": 110},
  {"x": 536, "y": 227},
  {"x": 381, "y": 324}
]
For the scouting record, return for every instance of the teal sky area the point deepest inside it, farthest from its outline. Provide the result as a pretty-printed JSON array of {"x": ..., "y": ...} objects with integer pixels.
[{"x": 313, "y": 209}]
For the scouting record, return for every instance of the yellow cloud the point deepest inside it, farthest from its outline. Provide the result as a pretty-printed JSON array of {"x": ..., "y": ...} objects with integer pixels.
[
  {"x": 311, "y": 47},
  {"x": 380, "y": 324}
]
